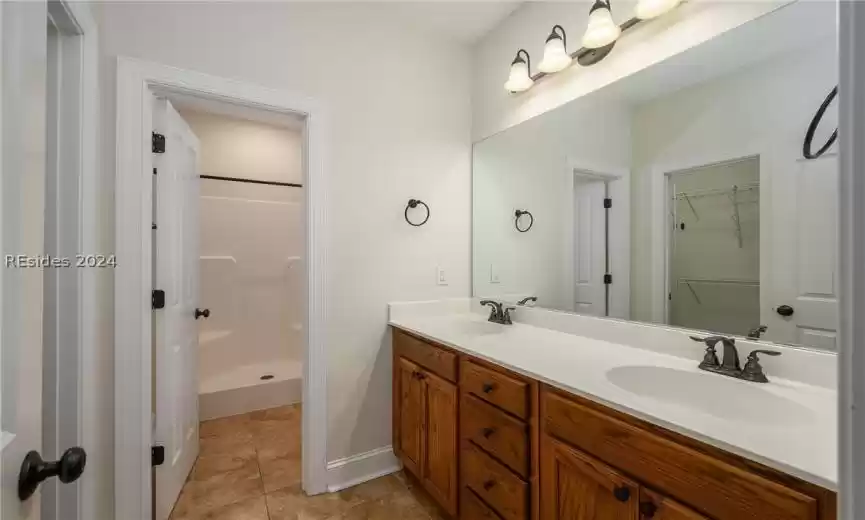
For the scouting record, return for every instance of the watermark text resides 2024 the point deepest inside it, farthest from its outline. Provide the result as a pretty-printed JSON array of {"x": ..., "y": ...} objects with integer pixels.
[{"x": 58, "y": 262}]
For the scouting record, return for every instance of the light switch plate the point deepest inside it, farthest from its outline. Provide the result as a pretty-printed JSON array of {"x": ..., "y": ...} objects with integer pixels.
[
  {"x": 441, "y": 276},
  {"x": 494, "y": 274}
]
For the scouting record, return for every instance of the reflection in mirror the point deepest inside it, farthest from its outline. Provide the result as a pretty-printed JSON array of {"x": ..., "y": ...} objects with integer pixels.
[{"x": 678, "y": 195}]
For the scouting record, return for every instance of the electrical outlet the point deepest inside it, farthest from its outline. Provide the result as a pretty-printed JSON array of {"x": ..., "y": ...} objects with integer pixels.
[
  {"x": 441, "y": 276},
  {"x": 494, "y": 274}
]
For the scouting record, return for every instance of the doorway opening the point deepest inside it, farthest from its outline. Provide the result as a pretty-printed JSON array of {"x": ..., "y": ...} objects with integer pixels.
[
  {"x": 714, "y": 247},
  {"x": 228, "y": 253}
]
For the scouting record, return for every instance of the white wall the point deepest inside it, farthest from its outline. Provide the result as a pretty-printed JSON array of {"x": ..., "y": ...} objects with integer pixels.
[
  {"x": 251, "y": 245},
  {"x": 531, "y": 167},
  {"x": 764, "y": 109},
  {"x": 399, "y": 127},
  {"x": 493, "y": 109}
]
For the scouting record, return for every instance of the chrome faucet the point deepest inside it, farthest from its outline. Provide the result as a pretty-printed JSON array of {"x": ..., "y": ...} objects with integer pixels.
[
  {"x": 757, "y": 332},
  {"x": 730, "y": 366},
  {"x": 498, "y": 312},
  {"x": 527, "y": 299}
]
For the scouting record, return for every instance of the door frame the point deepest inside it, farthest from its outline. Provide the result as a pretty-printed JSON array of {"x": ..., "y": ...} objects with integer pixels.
[
  {"x": 659, "y": 180},
  {"x": 618, "y": 181},
  {"x": 137, "y": 82},
  {"x": 75, "y": 416}
]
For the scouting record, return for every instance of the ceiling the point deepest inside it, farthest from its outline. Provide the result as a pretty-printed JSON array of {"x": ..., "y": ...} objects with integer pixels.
[{"x": 459, "y": 21}]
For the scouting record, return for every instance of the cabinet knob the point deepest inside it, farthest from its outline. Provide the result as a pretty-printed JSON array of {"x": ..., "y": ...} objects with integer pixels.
[
  {"x": 489, "y": 484},
  {"x": 488, "y": 387},
  {"x": 648, "y": 509},
  {"x": 420, "y": 375},
  {"x": 488, "y": 432},
  {"x": 622, "y": 494}
]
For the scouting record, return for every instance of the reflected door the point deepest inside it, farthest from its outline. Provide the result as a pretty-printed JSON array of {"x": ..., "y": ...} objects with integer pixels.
[{"x": 590, "y": 247}]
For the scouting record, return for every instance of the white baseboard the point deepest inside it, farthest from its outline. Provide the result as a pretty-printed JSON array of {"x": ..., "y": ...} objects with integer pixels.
[{"x": 357, "y": 469}]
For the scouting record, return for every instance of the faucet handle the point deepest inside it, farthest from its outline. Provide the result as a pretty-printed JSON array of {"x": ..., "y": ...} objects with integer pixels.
[
  {"x": 506, "y": 315},
  {"x": 710, "y": 359},
  {"x": 753, "y": 370}
]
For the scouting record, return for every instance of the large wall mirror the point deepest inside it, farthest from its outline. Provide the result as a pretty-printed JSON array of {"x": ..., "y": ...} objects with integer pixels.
[{"x": 678, "y": 195}]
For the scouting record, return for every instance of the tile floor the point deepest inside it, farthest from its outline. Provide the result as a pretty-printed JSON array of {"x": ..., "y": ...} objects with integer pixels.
[{"x": 249, "y": 469}]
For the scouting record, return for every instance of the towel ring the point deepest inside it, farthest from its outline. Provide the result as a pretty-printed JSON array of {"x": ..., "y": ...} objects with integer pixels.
[
  {"x": 809, "y": 135},
  {"x": 519, "y": 213},
  {"x": 413, "y": 203}
]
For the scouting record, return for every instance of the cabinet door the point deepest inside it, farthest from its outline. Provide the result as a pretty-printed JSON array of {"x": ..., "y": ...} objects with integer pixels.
[
  {"x": 411, "y": 404},
  {"x": 440, "y": 462},
  {"x": 575, "y": 486},
  {"x": 654, "y": 506}
]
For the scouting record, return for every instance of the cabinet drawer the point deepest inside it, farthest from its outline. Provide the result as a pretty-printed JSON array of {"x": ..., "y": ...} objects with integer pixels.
[
  {"x": 494, "y": 483},
  {"x": 442, "y": 362},
  {"x": 708, "y": 484},
  {"x": 473, "y": 508},
  {"x": 503, "y": 436},
  {"x": 502, "y": 390}
]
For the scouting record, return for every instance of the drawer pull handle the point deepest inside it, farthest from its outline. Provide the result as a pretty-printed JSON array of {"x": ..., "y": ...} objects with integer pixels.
[
  {"x": 622, "y": 494},
  {"x": 488, "y": 432},
  {"x": 419, "y": 375},
  {"x": 488, "y": 387},
  {"x": 489, "y": 484},
  {"x": 648, "y": 509}
]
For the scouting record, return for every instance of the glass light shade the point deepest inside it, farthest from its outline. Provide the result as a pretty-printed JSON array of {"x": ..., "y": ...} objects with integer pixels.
[
  {"x": 519, "y": 79},
  {"x": 647, "y": 9},
  {"x": 602, "y": 30},
  {"x": 556, "y": 57}
]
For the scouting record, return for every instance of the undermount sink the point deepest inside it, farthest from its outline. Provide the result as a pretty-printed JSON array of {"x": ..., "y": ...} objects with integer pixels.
[
  {"x": 713, "y": 394},
  {"x": 479, "y": 328}
]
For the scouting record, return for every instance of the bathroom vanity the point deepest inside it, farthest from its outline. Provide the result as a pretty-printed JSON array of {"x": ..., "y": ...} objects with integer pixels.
[{"x": 487, "y": 441}]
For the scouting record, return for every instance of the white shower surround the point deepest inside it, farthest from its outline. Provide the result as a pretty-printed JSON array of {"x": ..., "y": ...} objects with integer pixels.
[{"x": 251, "y": 267}]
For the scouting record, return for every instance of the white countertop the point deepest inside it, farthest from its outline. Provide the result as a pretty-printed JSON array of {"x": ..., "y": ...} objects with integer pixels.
[{"x": 799, "y": 437}]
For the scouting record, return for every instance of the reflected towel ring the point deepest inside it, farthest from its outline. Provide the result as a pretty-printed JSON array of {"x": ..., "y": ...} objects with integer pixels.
[
  {"x": 519, "y": 213},
  {"x": 809, "y": 135},
  {"x": 413, "y": 203}
]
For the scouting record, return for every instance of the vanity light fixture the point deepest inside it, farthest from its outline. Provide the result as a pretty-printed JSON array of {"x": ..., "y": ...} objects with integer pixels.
[
  {"x": 648, "y": 9},
  {"x": 556, "y": 55},
  {"x": 520, "y": 78},
  {"x": 601, "y": 30}
]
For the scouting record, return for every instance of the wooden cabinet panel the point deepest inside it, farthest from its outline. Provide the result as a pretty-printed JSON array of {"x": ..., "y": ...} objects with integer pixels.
[
  {"x": 575, "y": 486},
  {"x": 473, "y": 508},
  {"x": 654, "y": 506},
  {"x": 440, "y": 464},
  {"x": 707, "y": 483},
  {"x": 503, "y": 436},
  {"x": 508, "y": 393},
  {"x": 438, "y": 360},
  {"x": 411, "y": 402},
  {"x": 494, "y": 483}
]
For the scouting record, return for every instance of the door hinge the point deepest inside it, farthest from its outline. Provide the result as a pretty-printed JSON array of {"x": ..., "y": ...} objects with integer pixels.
[
  {"x": 157, "y": 299},
  {"x": 157, "y": 455},
  {"x": 158, "y": 143},
  {"x": 608, "y": 203},
  {"x": 608, "y": 279}
]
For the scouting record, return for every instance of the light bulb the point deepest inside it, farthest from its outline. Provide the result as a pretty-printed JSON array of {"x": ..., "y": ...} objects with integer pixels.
[
  {"x": 601, "y": 30},
  {"x": 520, "y": 78},
  {"x": 556, "y": 55},
  {"x": 647, "y": 9}
]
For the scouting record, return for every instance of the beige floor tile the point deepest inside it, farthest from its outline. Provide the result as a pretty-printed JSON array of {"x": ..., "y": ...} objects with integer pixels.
[
  {"x": 203, "y": 496},
  {"x": 282, "y": 413},
  {"x": 280, "y": 473},
  {"x": 210, "y": 463},
  {"x": 293, "y": 504},
  {"x": 227, "y": 427},
  {"x": 250, "y": 509}
]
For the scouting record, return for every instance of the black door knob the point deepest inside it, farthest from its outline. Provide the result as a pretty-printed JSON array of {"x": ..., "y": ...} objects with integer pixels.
[
  {"x": 34, "y": 470},
  {"x": 199, "y": 313},
  {"x": 784, "y": 310},
  {"x": 648, "y": 509}
]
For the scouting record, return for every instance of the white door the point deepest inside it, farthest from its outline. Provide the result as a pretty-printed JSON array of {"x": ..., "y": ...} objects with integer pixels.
[
  {"x": 590, "y": 247},
  {"x": 805, "y": 247},
  {"x": 176, "y": 332},
  {"x": 22, "y": 199}
]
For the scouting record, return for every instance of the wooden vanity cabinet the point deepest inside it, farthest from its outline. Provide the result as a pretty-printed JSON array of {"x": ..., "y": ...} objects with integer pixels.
[
  {"x": 487, "y": 443},
  {"x": 425, "y": 411}
]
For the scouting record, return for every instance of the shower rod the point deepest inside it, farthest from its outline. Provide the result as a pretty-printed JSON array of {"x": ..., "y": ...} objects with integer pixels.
[{"x": 251, "y": 181}]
